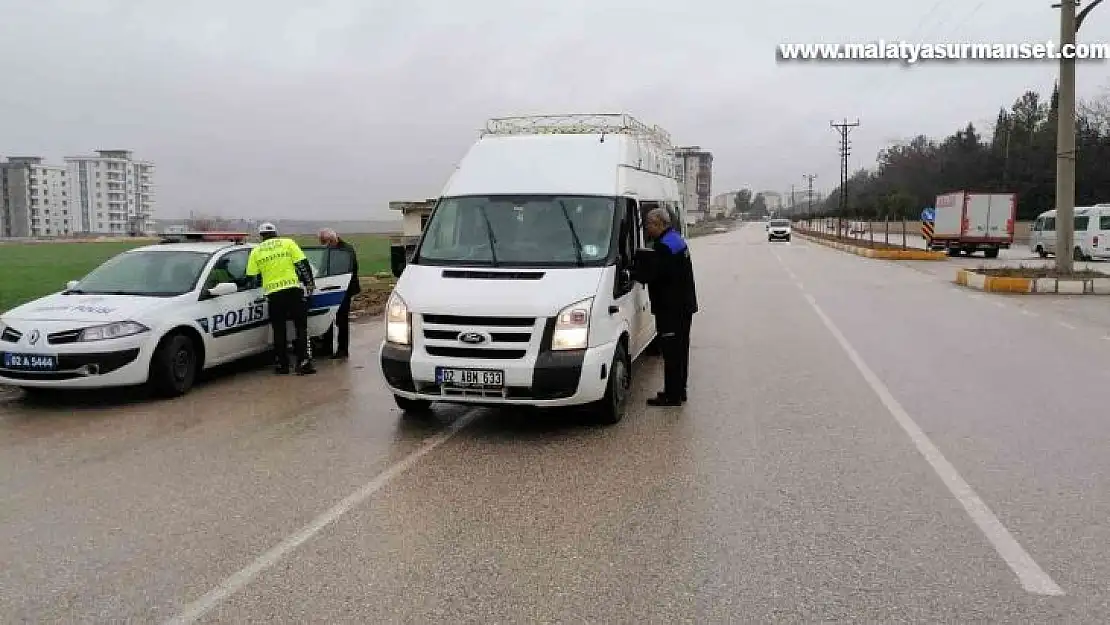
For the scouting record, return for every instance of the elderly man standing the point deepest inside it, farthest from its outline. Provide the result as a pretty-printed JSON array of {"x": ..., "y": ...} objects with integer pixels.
[
  {"x": 670, "y": 282},
  {"x": 331, "y": 239}
]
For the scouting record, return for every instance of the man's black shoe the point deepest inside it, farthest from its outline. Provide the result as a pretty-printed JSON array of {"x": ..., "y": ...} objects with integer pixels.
[
  {"x": 662, "y": 396},
  {"x": 306, "y": 368},
  {"x": 664, "y": 401},
  {"x": 340, "y": 356},
  {"x": 281, "y": 370}
]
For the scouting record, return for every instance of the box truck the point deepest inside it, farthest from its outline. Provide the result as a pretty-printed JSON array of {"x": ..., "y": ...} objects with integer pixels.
[{"x": 968, "y": 222}]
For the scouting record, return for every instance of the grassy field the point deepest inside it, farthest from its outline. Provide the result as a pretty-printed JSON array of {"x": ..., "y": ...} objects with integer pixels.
[{"x": 32, "y": 270}]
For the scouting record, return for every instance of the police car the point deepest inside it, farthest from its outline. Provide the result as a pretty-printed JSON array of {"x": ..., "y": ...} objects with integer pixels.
[{"x": 157, "y": 315}]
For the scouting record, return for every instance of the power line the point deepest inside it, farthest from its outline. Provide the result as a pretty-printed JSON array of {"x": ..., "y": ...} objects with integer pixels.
[{"x": 843, "y": 128}]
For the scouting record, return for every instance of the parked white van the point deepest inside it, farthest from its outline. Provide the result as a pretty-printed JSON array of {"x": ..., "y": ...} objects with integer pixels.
[
  {"x": 1092, "y": 233},
  {"x": 520, "y": 290}
]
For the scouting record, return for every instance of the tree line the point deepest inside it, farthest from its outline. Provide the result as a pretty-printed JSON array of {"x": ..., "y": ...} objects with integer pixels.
[{"x": 1018, "y": 156}]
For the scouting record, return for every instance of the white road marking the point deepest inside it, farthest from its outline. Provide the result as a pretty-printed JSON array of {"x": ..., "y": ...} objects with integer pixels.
[
  {"x": 240, "y": 579},
  {"x": 1065, "y": 324},
  {"x": 1029, "y": 313},
  {"x": 1033, "y": 579},
  {"x": 999, "y": 304}
]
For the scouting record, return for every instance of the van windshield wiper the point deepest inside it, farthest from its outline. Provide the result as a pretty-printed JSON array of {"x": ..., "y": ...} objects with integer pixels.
[
  {"x": 492, "y": 239},
  {"x": 573, "y": 234}
]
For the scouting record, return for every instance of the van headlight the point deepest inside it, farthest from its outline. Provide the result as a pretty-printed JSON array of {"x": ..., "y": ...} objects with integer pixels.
[
  {"x": 572, "y": 326},
  {"x": 398, "y": 321},
  {"x": 116, "y": 330}
]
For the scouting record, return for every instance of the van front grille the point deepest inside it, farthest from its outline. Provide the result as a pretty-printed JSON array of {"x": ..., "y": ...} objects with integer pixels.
[{"x": 499, "y": 338}]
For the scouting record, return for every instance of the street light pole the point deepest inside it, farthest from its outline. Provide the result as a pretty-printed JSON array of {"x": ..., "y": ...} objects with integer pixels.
[{"x": 1065, "y": 142}]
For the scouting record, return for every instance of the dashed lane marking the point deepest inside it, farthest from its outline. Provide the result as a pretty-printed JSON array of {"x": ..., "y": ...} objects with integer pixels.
[{"x": 1032, "y": 578}]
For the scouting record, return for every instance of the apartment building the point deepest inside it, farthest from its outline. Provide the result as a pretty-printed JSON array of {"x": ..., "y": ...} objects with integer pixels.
[
  {"x": 109, "y": 194},
  {"x": 694, "y": 170},
  {"x": 723, "y": 204},
  {"x": 35, "y": 199},
  {"x": 112, "y": 193}
]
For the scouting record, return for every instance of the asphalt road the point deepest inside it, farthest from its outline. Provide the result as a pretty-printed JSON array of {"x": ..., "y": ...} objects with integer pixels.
[{"x": 864, "y": 442}]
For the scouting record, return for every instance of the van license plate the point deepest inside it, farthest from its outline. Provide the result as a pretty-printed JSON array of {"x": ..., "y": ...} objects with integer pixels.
[
  {"x": 30, "y": 362},
  {"x": 479, "y": 378}
]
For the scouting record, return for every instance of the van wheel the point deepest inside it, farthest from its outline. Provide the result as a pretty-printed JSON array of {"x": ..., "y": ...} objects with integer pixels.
[
  {"x": 610, "y": 409},
  {"x": 991, "y": 253},
  {"x": 1041, "y": 252},
  {"x": 413, "y": 406},
  {"x": 953, "y": 251},
  {"x": 1078, "y": 254},
  {"x": 173, "y": 369}
]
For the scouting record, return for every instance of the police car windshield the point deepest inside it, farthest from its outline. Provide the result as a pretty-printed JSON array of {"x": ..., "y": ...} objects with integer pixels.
[
  {"x": 153, "y": 273},
  {"x": 521, "y": 231}
]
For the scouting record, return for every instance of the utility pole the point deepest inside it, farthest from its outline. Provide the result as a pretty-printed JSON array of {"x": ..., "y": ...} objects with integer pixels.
[
  {"x": 792, "y": 199},
  {"x": 843, "y": 129},
  {"x": 809, "y": 194},
  {"x": 1065, "y": 135}
]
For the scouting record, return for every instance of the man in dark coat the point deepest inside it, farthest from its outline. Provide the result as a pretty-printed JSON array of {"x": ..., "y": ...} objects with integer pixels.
[
  {"x": 331, "y": 239},
  {"x": 670, "y": 283}
]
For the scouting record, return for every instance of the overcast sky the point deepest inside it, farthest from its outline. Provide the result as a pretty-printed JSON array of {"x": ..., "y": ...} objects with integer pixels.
[{"x": 268, "y": 108}]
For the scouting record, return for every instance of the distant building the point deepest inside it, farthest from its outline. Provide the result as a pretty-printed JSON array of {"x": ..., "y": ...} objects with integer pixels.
[
  {"x": 773, "y": 199},
  {"x": 105, "y": 194},
  {"x": 112, "y": 193},
  {"x": 723, "y": 204},
  {"x": 34, "y": 199},
  {"x": 694, "y": 169}
]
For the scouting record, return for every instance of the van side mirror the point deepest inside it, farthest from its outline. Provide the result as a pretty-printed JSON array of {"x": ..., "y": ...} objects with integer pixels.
[
  {"x": 72, "y": 284},
  {"x": 398, "y": 258}
]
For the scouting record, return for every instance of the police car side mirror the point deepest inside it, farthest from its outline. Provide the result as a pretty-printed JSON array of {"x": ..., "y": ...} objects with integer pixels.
[{"x": 223, "y": 288}]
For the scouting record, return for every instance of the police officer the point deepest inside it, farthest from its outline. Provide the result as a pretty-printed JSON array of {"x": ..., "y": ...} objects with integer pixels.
[
  {"x": 331, "y": 239},
  {"x": 285, "y": 270},
  {"x": 670, "y": 282}
]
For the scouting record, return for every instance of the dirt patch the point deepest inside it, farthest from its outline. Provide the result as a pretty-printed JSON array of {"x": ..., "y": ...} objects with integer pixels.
[
  {"x": 375, "y": 292},
  {"x": 1039, "y": 272},
  {"x": 867, "y": 243}
]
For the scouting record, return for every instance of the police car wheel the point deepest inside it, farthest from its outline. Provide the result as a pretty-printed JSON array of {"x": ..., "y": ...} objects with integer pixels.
[
  {"x": 174, "y": 367},
  {"x": 610, "y": 410}
]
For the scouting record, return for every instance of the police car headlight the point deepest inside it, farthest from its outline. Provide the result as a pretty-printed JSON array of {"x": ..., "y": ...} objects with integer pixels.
[
  {"x": 572, "y": 326},
  {"x": 398, "y": 321},
  {"x": 115, "y": 330}
]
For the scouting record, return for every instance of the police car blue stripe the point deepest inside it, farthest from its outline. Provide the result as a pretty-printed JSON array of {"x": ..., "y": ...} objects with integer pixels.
[{"x": 324, "y": 300}]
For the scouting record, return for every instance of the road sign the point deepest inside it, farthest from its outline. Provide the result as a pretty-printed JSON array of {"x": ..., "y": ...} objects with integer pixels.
[
  {"x": 928, "y": 214},
  {"x": 927, "y": 231}
]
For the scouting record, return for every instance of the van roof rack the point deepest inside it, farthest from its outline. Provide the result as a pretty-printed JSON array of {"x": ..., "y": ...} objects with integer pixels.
[
  {"x": 194, "y": 237},
  {"x": 578, "y": 124}
]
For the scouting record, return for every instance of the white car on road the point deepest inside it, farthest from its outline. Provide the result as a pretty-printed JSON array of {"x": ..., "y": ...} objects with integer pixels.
[
  {"x": 778, "y": 229},
  {"x": 157, "y": 315}
]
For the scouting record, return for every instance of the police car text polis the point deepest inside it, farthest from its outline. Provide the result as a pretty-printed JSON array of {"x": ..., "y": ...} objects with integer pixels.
[{"x": 156, "y": 315}]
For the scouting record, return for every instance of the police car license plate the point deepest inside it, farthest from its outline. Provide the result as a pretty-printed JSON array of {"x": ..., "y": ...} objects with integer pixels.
[
  {"x": 30, "y": 362},
  {"x": 481, "y": 378}
]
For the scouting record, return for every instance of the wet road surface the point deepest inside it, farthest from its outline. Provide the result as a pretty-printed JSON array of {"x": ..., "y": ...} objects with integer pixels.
[{"x": 863, "y": 442}]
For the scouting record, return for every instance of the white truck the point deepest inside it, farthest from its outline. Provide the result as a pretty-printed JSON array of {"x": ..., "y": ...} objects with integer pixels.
[{"x": 969, "y": 222}]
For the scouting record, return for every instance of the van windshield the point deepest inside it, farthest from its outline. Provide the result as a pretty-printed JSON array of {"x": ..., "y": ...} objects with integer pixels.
[
  {"x": 778, "y": 223},
  {"x": 523, "y": 231}
]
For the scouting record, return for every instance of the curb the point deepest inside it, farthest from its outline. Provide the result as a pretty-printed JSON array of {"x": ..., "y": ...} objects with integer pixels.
[
  {"x": 1055, "y": 286},
  {"x": 867, "y": 252}
]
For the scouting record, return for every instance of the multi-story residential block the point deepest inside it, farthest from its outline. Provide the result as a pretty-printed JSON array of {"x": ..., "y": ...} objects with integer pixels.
[
  {"x": 105, "y": 194},
  {"x": 694, "y": 170},
  {"x": 112, "y": 193},
  {"x": 35, "y": 199}
]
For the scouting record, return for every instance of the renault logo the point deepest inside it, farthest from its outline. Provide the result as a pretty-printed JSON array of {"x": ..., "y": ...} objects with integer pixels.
[
  {"x": 473, "y": 338},
  {"x": 34, "y": 338}
]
